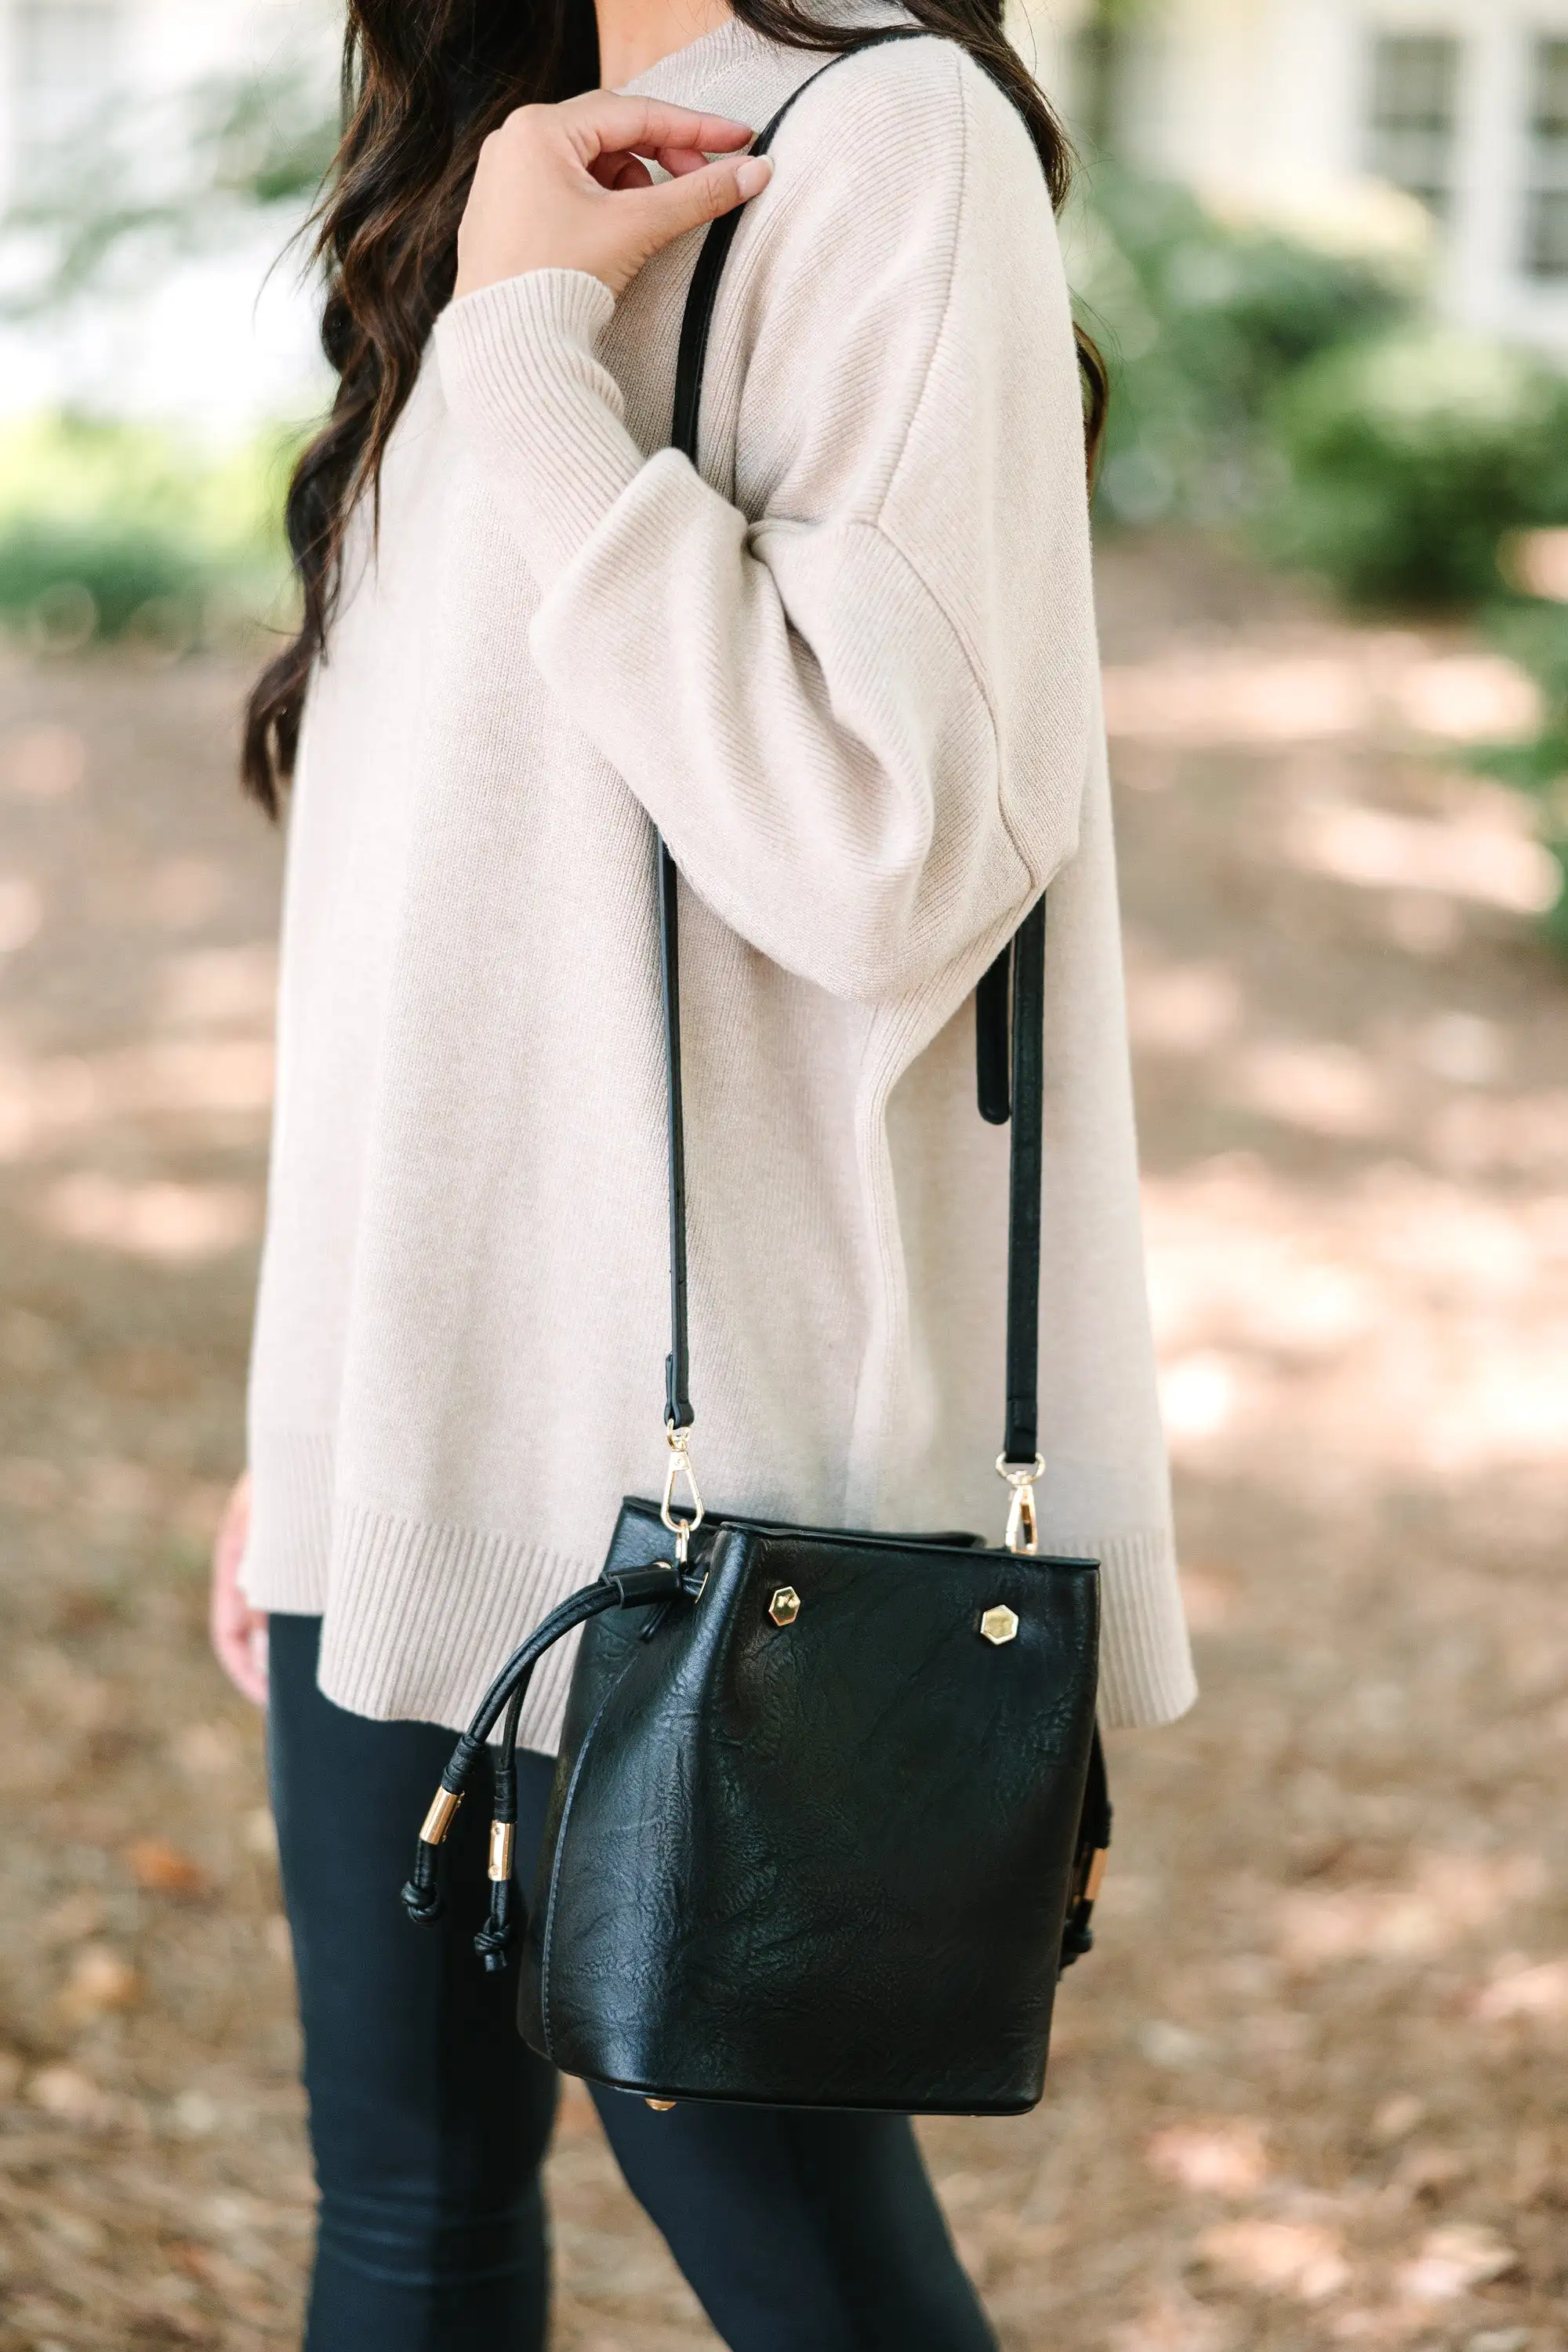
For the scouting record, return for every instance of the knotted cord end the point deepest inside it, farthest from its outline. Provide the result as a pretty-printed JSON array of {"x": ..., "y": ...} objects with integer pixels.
[
  {"x": 499, "y": 1934},
  {"x": 422, "y": 1895}
]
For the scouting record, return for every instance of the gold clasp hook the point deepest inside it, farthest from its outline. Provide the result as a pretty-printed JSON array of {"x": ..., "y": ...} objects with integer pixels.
[
  {"x": 1023, "y": 1521},
  {"x": 680, "y": 1467}
]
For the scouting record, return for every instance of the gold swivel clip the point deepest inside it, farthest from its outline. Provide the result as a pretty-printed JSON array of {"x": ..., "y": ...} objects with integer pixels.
[
  {"x": 1022, "y": 1520},
  {"x": 679, "y": 1467}
]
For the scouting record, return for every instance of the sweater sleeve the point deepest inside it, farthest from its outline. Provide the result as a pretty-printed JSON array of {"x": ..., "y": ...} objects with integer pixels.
[{"x": 855, "y": 697}]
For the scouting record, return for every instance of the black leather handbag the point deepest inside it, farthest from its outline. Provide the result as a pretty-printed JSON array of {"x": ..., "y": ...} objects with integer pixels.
[{"x": 831, "y": 1809}]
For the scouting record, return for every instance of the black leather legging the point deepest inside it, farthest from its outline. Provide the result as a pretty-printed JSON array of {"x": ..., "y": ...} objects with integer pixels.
[{"x": 429, "y": 2118}]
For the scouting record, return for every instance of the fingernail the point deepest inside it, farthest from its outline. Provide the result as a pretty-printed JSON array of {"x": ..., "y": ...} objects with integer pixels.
[{"x": 752, "y": 176}]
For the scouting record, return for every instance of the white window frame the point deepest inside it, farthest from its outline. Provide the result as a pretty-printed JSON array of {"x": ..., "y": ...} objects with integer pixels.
[{"x": 1436, "y": 184}]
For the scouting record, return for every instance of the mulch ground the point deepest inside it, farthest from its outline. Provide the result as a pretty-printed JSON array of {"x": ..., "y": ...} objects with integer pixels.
[{"x": 1308, "y": 2093}]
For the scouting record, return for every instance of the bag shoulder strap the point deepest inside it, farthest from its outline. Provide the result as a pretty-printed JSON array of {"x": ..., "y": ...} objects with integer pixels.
[
  {"x": 1018, "y": 973},
  {"x": 702, "y": 293}
]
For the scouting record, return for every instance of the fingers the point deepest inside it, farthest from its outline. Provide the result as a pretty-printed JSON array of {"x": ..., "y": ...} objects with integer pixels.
[
  {"x": 600, "y": 123},
  {"x": 253, "y": 1680},
  {"x": 613, "y": 170},
  {"x": 676, "y": 206},
  {"x": 619, "y": 171},
  {"x": 238, "y": 1630},
  {"x": 239, "y": 1644},
  {"x": 571, "y": 187},
  {"x": 247, "y": 1671}
]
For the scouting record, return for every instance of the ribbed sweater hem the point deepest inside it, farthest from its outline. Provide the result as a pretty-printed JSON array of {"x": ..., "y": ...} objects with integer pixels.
[
  {"x": 393, "y": 1643},
  {"x": 417, "y": 1617},
  {"x": 288, "y": 1553}
]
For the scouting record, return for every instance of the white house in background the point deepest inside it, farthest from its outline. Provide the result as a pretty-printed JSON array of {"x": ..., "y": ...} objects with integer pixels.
[{"x": 1286, "y": 103}]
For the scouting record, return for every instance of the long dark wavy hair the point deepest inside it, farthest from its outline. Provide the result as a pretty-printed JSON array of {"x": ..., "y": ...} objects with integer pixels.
[{"x": 424, "y": 84}]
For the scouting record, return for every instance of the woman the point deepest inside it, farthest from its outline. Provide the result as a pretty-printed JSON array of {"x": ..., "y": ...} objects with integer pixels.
[{"x": 849, "y": 671}]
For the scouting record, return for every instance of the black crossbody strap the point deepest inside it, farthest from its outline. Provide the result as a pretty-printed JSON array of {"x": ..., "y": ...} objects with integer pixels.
[
  {"x": 1024, "y": 962},
  {"x": 1027, "y": 1175},
  {"x": 695, "y": 326},
  {"x": 677, "y": 1363},
  {"x": 704, "y": 288}
]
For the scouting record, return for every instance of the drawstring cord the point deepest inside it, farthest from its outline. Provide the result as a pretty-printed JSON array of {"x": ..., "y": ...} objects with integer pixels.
[
  {"x": 499, "y": 1933},
  {"x": 423, "y": 1894}
]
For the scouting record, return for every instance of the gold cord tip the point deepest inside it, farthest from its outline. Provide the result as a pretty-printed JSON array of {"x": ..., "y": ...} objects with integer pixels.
[{"x": 438, "y": 1819}]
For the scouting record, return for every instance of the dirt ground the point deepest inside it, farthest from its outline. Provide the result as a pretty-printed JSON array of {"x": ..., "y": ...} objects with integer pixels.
[{"x": 1309, "y": 2092}]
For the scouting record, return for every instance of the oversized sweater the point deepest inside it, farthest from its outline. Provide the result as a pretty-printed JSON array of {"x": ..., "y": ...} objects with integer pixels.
[{"x": 849, "y": 668}]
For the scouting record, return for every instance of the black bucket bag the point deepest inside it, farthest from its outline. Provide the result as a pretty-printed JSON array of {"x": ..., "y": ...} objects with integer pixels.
[{"x": 830, "y": 1810}]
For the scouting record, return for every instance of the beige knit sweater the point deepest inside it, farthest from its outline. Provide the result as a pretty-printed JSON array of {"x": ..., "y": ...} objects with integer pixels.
[{"x": 850, "y": 671}]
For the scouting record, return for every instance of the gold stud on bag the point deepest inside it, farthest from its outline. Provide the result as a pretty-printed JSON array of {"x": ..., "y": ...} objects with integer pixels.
[
  {"x": 1000, "y": 1625},
  {"x": 784, "y": 1606}
]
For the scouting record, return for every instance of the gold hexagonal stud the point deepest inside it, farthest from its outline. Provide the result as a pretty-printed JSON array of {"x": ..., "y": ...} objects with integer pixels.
[
  {"x": 784, "y": 1606},
  {"x": 1000, "y": 1624}
]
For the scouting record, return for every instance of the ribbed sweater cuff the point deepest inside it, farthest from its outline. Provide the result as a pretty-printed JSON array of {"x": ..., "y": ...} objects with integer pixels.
[
  {"x": 521, "y": 376},
  {"x": 1146, "y": 1662}
]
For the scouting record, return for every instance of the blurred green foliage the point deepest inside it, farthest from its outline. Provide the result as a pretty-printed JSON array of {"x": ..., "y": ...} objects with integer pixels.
[
  {"x": 1408, "y": 458},
  {"x": 1203, "y": 320},
  {"x": 1304, "y": 399},
  {"x": 206, "y": 163},
  {"x": 108, "y": 527},
  {"x": 1535, "y": 633}
]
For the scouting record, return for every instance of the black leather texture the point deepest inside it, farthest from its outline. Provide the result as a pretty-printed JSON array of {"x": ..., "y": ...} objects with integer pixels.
[{"x": 825, "y": 1862}]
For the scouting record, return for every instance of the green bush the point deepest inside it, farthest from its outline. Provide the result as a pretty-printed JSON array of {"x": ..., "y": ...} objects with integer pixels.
[
  {"x": 1202, "y": 319},
  {"x": 45, "y": 566},
  {"x": 1536, "y": 636},
  {"x": 1409, "y": 456},
  {"x": 109, "y": 527},
  {"x": 1264, "y": 380}
]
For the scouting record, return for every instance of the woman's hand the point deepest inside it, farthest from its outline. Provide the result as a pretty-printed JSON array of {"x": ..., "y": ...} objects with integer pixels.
[
  {"x": 238, "y": 1630},
  {"x": 563, "y": 187}
]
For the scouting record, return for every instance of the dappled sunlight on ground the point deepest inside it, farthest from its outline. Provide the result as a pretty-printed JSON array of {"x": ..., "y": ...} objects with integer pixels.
[
  {"x": 1416, "y": 1329},
  {"x": 1211, "y": 690},
  {"x": 1306, "y": 2094}
]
